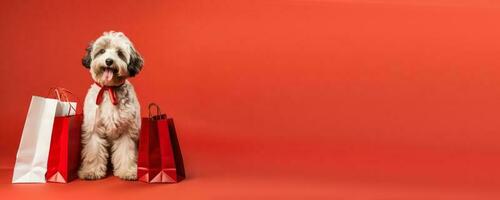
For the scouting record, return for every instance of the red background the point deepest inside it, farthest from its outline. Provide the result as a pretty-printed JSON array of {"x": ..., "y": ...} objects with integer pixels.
[{"x": 348, "y": 99}]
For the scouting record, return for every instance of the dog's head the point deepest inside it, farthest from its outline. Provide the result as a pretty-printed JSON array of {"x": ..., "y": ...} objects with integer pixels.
[{"x": 112, "y": 58}]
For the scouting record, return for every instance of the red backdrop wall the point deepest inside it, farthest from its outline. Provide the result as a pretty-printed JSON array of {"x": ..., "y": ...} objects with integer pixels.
[{"x": 403, "y": 92}]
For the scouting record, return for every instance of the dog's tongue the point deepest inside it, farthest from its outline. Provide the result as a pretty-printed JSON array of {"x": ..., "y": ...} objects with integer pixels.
[{"x": 108, "y": 74}]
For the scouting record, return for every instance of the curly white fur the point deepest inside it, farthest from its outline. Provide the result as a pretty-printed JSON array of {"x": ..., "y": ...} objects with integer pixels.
[{"x": 108, "y": 128}]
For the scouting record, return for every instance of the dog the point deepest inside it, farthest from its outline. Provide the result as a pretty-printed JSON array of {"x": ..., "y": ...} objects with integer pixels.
[{"x": 111, "y": 109}]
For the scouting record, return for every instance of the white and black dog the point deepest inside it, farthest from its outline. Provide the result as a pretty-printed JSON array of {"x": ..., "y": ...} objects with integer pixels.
[{"x": 111, "y": 110}]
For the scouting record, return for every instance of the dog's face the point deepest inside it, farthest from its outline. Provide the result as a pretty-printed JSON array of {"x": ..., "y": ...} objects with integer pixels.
[{"x": 112, "y": 58}]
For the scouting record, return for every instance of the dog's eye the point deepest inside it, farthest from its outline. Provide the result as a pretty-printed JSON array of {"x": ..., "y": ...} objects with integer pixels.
[
  {"x": 100, "y": 52},
  {"x": 120, "y": 54}
]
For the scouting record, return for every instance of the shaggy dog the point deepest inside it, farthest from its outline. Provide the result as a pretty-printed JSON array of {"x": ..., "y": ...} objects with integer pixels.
[{"x": 111, "y": 110}]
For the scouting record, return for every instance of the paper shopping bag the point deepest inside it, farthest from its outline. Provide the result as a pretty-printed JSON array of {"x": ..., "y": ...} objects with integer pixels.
[
  {"x": 159, "y": 157},
  {"x": 64, "y": 154},
  {"x": 33, "y": 151}
]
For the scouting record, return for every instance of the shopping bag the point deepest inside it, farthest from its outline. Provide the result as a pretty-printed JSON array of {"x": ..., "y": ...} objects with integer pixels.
[
  {"x": 159, "y": 157},
  {"x": 33, "y": 151},
  {"x": 64, "y": 154}
]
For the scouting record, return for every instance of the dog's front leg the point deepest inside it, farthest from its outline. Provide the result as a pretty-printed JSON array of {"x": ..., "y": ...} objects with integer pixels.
[
  {"x": 124, "y": 157},
  {"x": 94, "y": 157}
]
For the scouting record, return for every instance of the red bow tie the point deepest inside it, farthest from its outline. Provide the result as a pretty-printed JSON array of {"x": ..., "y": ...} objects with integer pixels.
[{"x": 111, "y": 91}]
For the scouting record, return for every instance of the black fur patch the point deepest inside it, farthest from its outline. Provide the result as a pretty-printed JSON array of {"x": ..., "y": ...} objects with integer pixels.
[
  {"x": 135, "y": 64},
  {"x": 87, "y": 59}
]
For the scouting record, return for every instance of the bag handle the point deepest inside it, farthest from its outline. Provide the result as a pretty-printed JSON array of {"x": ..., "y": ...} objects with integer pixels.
[
  {"x": 158, "y": 112},
  {"x": 61, "y": 94}
]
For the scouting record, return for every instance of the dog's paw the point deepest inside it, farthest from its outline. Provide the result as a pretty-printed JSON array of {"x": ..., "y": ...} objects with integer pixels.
[
  {"x": 129, "y": 174},
  {"x": 91, "y": 174}
]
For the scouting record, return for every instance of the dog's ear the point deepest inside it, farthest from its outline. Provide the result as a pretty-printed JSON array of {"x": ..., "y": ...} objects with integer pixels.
[
  {"x": 87, "y": 59},
  {"x": 135, "y": 64}
]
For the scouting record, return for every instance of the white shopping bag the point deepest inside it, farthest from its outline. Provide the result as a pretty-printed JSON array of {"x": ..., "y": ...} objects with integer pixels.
[{"x": 33, "y": 152}]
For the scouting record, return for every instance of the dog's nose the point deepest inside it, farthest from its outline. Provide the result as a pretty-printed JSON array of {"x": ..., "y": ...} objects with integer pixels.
[{"x": 109, "y": 62}]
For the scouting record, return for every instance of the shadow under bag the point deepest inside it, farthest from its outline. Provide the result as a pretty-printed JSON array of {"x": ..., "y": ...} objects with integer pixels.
[{"x": 159, "y": 157}]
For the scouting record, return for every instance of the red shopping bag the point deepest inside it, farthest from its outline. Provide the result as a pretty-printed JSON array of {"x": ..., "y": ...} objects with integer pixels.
[
  {"x": 64, "y": 154},
  {"x": 159, "y": 158}
]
